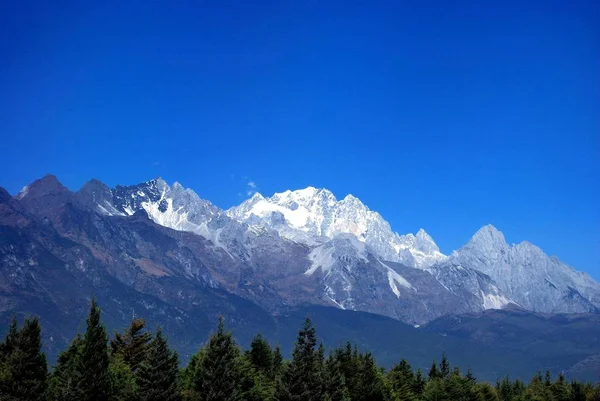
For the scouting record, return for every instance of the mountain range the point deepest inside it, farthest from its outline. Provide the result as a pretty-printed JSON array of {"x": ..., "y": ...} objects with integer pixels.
[{"x": 161, "y": 251}]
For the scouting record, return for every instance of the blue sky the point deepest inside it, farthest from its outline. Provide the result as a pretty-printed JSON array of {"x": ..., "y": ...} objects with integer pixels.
[{"x": 441, "y": 115}]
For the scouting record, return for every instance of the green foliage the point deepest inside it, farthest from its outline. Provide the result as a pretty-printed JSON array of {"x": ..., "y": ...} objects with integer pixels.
[
  {"x": 132, "y": 345},
  {"x": 334, "y": 382},
  {"x": 302, "y": 380},
  {"x": 277, "y": 362},
  {"x": 23, "y": 368},
  {"x": 94, "y": 381},
  {"x": 63, "y": 382},
  {"x": 260, "y": 355},
  {"x": 402, "y": 381},
  {"x": 122, "y": 380},
  {"x": 485, "y": 392},
  {"x": 158, "y": 374},
  {"x": 142, "y": 370},
  {"x": 370, "y": 384},
  {"x": 218, "y": 376}
]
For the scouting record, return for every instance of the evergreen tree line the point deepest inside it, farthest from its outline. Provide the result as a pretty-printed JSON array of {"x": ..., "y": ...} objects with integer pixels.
[{"x": 139, "y": 366}]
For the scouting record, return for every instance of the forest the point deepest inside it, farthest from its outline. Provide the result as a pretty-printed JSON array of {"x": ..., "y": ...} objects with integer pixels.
[{"x": 137, "y": 365}]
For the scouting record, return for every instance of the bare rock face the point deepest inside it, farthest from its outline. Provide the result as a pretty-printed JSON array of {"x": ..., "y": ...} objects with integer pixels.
[{"x": 526, "y": 275}]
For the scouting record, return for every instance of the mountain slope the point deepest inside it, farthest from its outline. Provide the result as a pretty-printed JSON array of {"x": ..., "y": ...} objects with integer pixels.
[{"x": 526, "y": 275}]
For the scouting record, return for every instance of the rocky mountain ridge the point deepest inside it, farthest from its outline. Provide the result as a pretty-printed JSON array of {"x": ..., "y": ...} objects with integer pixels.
[{"x": 307, "y": 248}]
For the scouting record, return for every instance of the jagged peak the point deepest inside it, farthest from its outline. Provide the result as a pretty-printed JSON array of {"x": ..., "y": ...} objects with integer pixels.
[
  {"x": 423, "y": 235},
  {"x": 93, "y": 184},
  {"x": 487, "y": 233},
  {"x": 47, "y": 184}
]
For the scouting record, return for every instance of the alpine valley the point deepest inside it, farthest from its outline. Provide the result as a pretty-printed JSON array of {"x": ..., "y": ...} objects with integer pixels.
[{"x": 161, "y": 252}]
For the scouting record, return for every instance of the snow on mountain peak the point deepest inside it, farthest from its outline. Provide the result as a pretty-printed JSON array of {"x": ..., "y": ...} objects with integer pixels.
[{"x": 312, "y": 216}]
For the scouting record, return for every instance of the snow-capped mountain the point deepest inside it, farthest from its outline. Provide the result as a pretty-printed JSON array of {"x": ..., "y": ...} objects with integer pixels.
[
  {"x": 526, "y": 274},
  {"x": 313, "y": 216},
  {"x": 306, "y": 247}
]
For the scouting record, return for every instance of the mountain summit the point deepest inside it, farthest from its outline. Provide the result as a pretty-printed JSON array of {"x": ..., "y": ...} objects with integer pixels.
[{"x": 312, "y": 216}]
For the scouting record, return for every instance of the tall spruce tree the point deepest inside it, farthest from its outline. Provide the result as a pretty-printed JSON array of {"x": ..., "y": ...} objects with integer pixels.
[
  {"x": 132, "y": 345},
  {"x": 25, "y": 371},
  {"x": 334, "y": 382},
  {"x": 370, "y": 384},
  {"x": 94, "y": 383},
  {"x": 434, "y": 372},
  {"x": 302, "y": 380},
  {"x": 419, "y": 383},
  {"x": 277, "y": 362},
  {"x": 122, "y": 380},
  {"x": 219, "y": 375},
  {"x": 158, "y": 373},
  {"x": 401, "y": 379},
  {"x": 63, "y": 383},
  {"x": 260, "y": 355},
  {"x": 444, "y": 367}
]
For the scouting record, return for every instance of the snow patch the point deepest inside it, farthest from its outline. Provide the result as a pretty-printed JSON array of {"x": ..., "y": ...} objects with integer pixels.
[
  {"x": 493, "y": 301},
  {"x": 395, "y": 280},
  {"x": 321, "y": 257}
]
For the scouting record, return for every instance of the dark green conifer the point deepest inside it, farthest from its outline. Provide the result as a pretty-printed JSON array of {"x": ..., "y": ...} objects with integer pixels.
[
  {"x": 302, "y": 380},
  {"x": 277, "y": 362},
  {"x": 94, "y": 383},
  {"x": 577, "y": 391},
  {"x": 419, "y": 383},
  {"x": 63, "y": 383},
  {"x": 219, "y": 375},
  {"x": 24, "y": 367},
  {"x": 334, "y": 382},
  {"x": 444, "y": 367},
  {"x": 132, "y": 344},
  {"x": 260, "y": 355},
  {"x": 122, "y": 380},
  {"x": 434, "y": 373},
  {"x": 401, "y": 379},
  {"x": 158, "y": 373},
  {"x": 370, "y": 384},
  {"x": 561, "y": 390}
]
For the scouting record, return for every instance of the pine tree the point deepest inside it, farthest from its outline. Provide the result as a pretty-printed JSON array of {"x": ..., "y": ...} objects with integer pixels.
[
  {"x": 596, "y": 394},
  {"x": 132, "y": 344},
  {"x": 158, "y": 373},
  {"x": 122, "y": 380},
  {"x": 94, "y": 383},
  {"x": 435, "y": 391},
  {"x": 434, "y": 373},
  {"x": 577, "y": 391},
  {"x": 302, "y": 379},
  {"x": 277, "y": 362},
  {"x": 486, "y": 392},
  {"x": 401, "y": 379},
  {"x": 561, "y": 389},
  {"x": 7, "y": 345},
  {"x": 348, "y": 360},
  {"x": 370, "y": 384},
  {"x": 444, "y": 367},
  {"x": 334, "y": 382},
  {"x": 419, "y": 384},
  {"x": 219, "y": 374},
  {"x": 504, "y": 388},
  {"x": 260, "y": 355},
  {"x": 62, "y": 385},
  {"x": 25, "y": 371}
]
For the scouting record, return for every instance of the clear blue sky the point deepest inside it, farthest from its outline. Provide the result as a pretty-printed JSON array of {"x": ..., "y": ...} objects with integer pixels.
[{"x": 442, "y": 115}]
